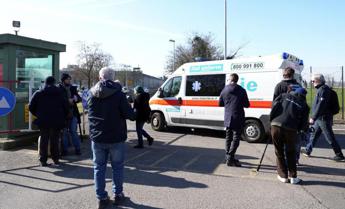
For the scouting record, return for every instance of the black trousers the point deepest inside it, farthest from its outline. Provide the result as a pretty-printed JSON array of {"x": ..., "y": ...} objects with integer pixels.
[
  {"x": 52, "y": 135},
  {"x": 285, "y": 138},
  {"x": 232, "y": 141}
]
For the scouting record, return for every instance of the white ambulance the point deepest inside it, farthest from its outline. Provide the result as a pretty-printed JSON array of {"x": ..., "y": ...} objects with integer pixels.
[{"x": 189, "y": 97}]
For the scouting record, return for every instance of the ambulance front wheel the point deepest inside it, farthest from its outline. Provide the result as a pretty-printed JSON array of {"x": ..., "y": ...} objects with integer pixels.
[
  {"x": 157, "y": 121},
  {"x": 253, "y": 131}
]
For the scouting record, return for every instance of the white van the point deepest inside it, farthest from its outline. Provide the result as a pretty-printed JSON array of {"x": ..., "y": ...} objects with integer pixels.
[{"x": 189, "y": 97}]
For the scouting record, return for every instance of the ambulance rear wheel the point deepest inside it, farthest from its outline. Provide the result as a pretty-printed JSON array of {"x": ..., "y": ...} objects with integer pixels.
[
  {"x": 157, "y": 121},
  {"x": 253, "y": 131}
]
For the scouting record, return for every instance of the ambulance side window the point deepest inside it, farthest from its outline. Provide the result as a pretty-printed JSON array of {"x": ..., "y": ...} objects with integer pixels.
[
  {"x": 172, "y": 87},
  {"x": 205, "y": 85},
  {"x": 175, "y": 89},
  {"x": 166, "y": 88}
]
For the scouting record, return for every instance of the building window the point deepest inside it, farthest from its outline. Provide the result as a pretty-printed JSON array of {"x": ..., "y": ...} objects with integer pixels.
[{"x": 205, "y": 85}]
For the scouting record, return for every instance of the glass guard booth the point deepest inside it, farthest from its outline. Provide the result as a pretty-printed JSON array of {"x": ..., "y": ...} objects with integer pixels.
[{"x": 25, "y": 60}]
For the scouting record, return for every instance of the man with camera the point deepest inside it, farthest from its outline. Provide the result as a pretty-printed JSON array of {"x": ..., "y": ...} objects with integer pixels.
[
  {"x": 71, "y": 94},
  {"x": 289, "y": 115}
]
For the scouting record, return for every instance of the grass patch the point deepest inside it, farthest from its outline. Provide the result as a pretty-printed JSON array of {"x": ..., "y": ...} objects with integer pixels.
[{"x": 312, "y": 93}]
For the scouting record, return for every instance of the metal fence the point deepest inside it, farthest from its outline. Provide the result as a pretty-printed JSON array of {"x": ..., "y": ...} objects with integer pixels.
[{"x": 334, "y": 78}]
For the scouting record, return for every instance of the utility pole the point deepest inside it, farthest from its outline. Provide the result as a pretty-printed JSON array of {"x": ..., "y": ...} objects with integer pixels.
[
  {"x": 225, "y": 29},
  {"x": 342, "y": 92},
  {"x": 173, "y": 41}
]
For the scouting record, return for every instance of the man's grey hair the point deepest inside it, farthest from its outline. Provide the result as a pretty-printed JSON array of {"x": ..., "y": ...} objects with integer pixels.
[
  {"x": 107, "y": 73},
  {"x": 319, "y": 77}
]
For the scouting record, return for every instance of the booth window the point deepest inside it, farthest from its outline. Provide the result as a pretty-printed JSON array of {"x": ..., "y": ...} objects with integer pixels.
[{"x": 32, "y": 64}]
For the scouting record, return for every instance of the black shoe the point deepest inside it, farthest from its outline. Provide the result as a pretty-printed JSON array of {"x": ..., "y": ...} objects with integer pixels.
[
  {"x": 57, "y": 162},
  {"x": 77, "y": 152},
  {"x": 102, "y": 204},
  {"x": 339, "y": 158},
  {"x": 150, "y": 140},
  {"x": 233, "y": 163},
  {"x": 138, "y": 146},
  {"x": 305, "y": 152},
  {"x": 44, "y": 164},
  {"x": 64, "y": 153},
  {"x": 119, "y": 199}
]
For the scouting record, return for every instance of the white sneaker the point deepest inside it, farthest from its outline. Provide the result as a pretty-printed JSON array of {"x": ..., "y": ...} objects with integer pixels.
[
  {"x": 284, "y": 180},
  {"x": 295, "y": 180}
]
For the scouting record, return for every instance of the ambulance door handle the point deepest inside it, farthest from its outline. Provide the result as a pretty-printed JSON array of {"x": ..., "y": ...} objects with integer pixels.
[{"x": 179, "y": 100}]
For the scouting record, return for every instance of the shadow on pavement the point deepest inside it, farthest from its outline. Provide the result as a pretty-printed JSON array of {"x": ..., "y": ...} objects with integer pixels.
[
  {"x": 132, "y": 176},
  {"x": 128, "y": 203},
  {"x": 324, "y": 183},
  {"x": 150, "y": 166}
]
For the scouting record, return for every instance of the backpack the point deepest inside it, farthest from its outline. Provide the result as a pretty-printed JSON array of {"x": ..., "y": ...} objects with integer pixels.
[{"x": 333, "y": 102}]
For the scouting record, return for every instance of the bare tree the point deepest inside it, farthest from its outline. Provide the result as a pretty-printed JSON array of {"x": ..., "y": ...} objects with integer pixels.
[
  {"x": 198, "y": 47},
  {"x": 91, "y": 59}
]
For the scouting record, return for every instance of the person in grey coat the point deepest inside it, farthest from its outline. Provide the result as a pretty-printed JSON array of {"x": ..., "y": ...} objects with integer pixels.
[
  {"x": 234, "y": 98},
  {"x": 108, "y": 110}
]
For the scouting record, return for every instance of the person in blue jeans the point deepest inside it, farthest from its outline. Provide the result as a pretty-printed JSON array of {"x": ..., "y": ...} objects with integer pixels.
[
  {"x": 70, "y": 131},
  {"x": 322, "y": 119},
  {"x": 108, "y": 111},
  {"x": 142, "y": 109}
]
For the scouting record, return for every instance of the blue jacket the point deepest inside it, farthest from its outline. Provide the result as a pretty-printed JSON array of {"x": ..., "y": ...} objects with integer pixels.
[
  {"x": 50, "y": 107},
  {"x": 108, "y": 111},
  {"x": 234, "y": 98},
  {"x": 321, "y": 101}
]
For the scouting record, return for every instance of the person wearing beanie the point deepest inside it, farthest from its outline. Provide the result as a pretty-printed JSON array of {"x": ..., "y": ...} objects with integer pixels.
[
  {"x": 143, "y": 110},
  {"x": 289, "y": 115},
  {"x": 70, "y": 131},
  {"x": 51, "y": 109}
]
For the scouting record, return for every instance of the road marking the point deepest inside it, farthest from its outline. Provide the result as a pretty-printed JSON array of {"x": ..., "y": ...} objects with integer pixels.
[
  {"x": 138, "y": 156},
  {"x": 338, "y": 129},
  {"x": 196, "y": 158},
  {"x": 162, "y": 159},
  {"x": 174, "y": 140}
]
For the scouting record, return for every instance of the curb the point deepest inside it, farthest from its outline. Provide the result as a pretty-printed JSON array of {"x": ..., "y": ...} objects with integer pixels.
[{"x": 21, "y": 140}]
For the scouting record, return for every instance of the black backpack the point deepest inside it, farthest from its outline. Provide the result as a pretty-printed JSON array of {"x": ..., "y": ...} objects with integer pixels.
[{"x": 333, "y": 102}]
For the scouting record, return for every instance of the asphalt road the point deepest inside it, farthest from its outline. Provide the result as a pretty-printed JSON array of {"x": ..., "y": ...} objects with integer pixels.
[{"x": 183, "y": 169}]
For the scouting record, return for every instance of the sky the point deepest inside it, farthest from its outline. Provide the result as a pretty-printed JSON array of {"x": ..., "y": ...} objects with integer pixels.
[{"x": 137, "y": 32}]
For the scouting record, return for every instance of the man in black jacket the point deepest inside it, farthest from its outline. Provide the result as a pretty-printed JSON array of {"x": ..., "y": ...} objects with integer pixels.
[
  {"x": 234, "y": 98},
  {"x": 71, "y": 94},
  {"x": 142, "y": 109},
  {"x": 108, "y": 111},
  {"x": 289, "y": 114},
  {"x": 322, "y": 119},
  {"x": 282, "y": 86},
  {"x": 51, "y": 110}
]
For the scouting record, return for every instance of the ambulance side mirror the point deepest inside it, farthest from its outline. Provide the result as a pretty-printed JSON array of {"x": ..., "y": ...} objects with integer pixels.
[{"x": 160, "y": 93}]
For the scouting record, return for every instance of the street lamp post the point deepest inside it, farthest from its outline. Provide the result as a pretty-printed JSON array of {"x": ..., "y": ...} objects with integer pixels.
[
  {"x": 173, "y": 41},
  {"x": 225, "y": 29}
]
